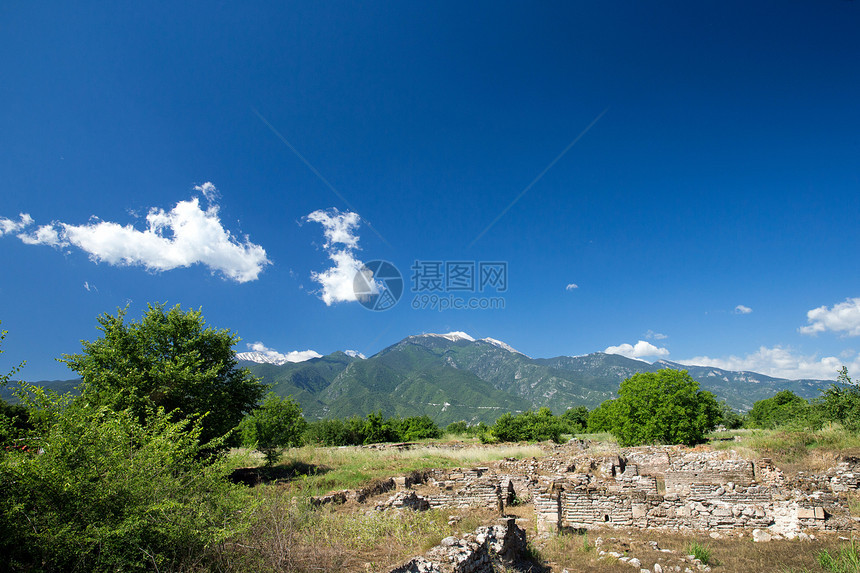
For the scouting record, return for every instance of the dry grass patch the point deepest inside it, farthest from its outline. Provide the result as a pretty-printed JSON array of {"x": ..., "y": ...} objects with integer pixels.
[
  {"x": 290, "y": 535},
  {"x": 730, "y": 554}
]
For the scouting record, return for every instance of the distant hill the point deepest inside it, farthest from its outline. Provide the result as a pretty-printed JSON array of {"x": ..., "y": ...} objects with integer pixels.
[{"x": 452, "y": 377}]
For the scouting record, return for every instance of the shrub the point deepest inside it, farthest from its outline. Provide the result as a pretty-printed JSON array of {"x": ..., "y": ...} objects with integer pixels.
[
  {"x": 528, "y": 426},
  {"x": 111, "y": 494},
  {"x": 276, "y": 424}
]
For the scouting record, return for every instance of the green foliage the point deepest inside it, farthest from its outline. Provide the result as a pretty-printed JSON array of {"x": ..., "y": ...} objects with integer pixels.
[
  {"x": 576, "y": 419},
  {"x": 700, "y": 552},
  {"x": 373, "y": 429},
  {"x": 602, "y": 418},
  {"x": 172, "y": 360},
  {"x": 729, "y": 417},
  {"x": 14, "y": 419},
  {"x": 457, "y": 428},
  {"x": 841, "y": 402},
  {"x": 417, "y": 428},
  {"x": 111, "y": 494},
  {"x": 276, "y": 424},
  {"x": 529, "y": 426},
  {"x": 846, "y": 561},
  {"x": 782, "y": 409},
  {"x": 664, "y": 407}
]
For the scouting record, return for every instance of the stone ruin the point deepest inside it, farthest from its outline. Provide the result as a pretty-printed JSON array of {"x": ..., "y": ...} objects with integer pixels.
[
  {"x": 670, "y": 488},
  {"x": 476, "y": 552},
  {"x": 674, "y": 488}
]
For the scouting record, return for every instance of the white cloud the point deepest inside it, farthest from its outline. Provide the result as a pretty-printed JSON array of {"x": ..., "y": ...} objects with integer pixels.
[
  {"x": 780, "y": 362},
  {"x": 341, "y": 241},
  {"x": 571, "y": 286},
  {"x": 184, "y": 236},
  {"x": 741, "y": 309},
  {"x": 210, "y": 193},
  {"x": 338, "y": 227},
  {"x": 843, "y": 317},
  {"x": 8, "y": 226},
  {"x": 44, "y": 235},
  {"x": 89, "y": 287},
  {"x": 275, "y": 356},
  {"x": 640, "y": 350},
  {"x": 651, "y": 335}
]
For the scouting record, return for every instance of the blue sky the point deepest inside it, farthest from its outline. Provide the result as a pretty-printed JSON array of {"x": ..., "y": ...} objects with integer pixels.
[{"x": 247, "y": 160}]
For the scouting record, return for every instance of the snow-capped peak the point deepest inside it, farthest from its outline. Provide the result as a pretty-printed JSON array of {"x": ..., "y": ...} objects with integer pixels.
[
  {"x": 263, "y": 355},
  {"x": 452, "y": 336},
  {"x": 354, "y": 354},
  {"x": 501, "y": 344}
]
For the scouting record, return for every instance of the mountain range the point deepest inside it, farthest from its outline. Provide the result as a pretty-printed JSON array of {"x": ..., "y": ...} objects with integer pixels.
[{"x": 452, "y": 377}]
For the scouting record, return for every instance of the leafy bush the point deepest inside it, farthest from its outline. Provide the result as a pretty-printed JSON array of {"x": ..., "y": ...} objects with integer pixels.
[
  {"x": 529, "y": 426},
  {"x": 276, "y": 424},
  {"x": 109, "y": 493},
  {"x": 371, "y": 430},
  {"x": 576, "y": 419},
  {"x": 457, "y": 428},
  {"x": 664, "y": 407},
  {"x": 782, "y": 409},
  {"x": 417, "y": 428}
]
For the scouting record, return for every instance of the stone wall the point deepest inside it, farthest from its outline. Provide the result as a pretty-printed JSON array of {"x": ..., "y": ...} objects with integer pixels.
[{"x": 473, "y": 553}]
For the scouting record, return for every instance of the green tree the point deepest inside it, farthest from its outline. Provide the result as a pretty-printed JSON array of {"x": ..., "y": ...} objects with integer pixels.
[
  {"x": 664, "y": 407},
  {"x": 14, "y": 419},
  {"x": 576, "y": 419},
  {"x": 602, "y": 418},
  {"x": 529, "y": 426},
  {"x": 276, "y": 424},
  {"x": 172, "y": 360},
  {"x": 417, "y": 428},
  {"x": 782, "y": 409},
  {"x": 841, "y": 402},
  {"x": 107, "y": 493}
]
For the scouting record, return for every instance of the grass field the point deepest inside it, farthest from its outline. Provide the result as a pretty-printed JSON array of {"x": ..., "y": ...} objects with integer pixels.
[{"x": 291, "y": 535}]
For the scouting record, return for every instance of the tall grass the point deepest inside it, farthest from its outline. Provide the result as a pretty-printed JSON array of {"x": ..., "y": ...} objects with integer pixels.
[{"x": 847, "y": 560}]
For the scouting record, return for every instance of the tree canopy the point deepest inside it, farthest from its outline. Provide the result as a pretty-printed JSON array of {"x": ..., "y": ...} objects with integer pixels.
[
  {"x": 276, "y": 424},
  {"x": 169, "y": 359},
  {"x": 664, "y": 407}
]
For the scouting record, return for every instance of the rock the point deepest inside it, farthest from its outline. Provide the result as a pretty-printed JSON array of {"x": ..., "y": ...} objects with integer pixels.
[
  {"x": 634, "y": 562},
  {"x": 803, "y": 537},
  {"x": 715, "y": 535},
  {"x": 448, "y": 541},
  {"x": 658, "y": 568},
  {"x": 760, "y": 536}
]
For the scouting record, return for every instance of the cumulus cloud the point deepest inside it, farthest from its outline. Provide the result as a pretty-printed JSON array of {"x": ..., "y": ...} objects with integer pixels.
[
  {"x": 651, "y": 335},
  {"x": 210, "y": 193},
  {"x": 184, "y": 236},
  {"x": 275, "y": 356},
  {"x": 741, "y": 309},
  {"x": 571, "y": 286},
  {"x": 780, "y": 362},
  {"x": 640, "y": 350},
  {"x": 45, "y": 235},
  {"x": 341, "y": 242},
  {"x": 8, "y": 226},
  {"x": 843, "y": 317}
]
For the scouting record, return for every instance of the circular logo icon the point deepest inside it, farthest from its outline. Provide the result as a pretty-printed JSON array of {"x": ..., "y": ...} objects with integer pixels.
[{"x": 378, "y": 285}]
